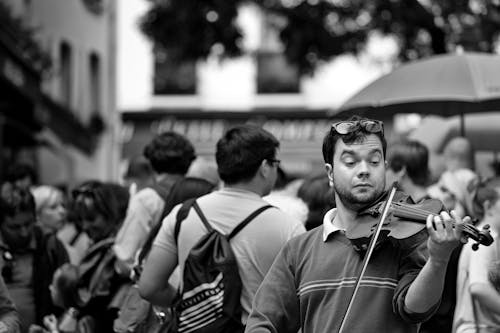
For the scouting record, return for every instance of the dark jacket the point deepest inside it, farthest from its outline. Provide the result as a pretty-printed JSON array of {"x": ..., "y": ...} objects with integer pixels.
[
  {"x": 49, "y": 255},
  {"x": 8, "y": 313}
]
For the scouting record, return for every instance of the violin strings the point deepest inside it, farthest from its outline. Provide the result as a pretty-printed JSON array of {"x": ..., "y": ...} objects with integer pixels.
[{"x": 424, "y": 213}]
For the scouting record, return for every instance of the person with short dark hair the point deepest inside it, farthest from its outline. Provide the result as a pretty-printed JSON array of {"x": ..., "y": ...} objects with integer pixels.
[
  {"x": 29, "y": 256},
  {"x": 247, "y": 160},
  {"x": 311, "y": 281},
  {"x": 408, "y": 165},
  {"x": 22, "y": 175},
  {"x": 170, "y": 155},
  {"x": 139, "y": 174}
]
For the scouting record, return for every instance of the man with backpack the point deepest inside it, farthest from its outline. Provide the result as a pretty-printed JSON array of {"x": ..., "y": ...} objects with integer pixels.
[
  {"x": 222, "y": 260},
  {"x": 170, "y": 155}
]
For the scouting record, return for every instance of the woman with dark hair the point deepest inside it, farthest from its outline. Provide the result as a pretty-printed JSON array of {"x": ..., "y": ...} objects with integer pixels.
[{"x": 100, "y": 209}]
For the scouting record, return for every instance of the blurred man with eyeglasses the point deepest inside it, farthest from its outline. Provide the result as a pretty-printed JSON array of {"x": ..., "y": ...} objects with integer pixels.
[
  {"x": 311, "y": 282},
  {"x": 247, "y": 160},
  {"x": 29, "y": 257}
]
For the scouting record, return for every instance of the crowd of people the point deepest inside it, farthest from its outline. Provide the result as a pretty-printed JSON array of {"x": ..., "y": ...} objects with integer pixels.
[{"x": 130, "y": 257}]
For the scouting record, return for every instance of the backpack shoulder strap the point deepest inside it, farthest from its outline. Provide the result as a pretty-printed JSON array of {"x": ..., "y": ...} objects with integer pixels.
[
  {"x": 183, "y": 212},
  {"x": 166, "y": 196},
  {"x": 247, "y": 220}
]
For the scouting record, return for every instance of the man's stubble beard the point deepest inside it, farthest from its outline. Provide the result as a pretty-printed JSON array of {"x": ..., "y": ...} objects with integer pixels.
[{"x": 351, "y": 201}]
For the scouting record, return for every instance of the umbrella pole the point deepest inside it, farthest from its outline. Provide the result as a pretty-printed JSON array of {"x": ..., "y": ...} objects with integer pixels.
[{"x": 462, "y": 124}]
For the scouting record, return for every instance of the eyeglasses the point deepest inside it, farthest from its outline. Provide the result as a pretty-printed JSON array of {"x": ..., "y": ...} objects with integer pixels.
[
  {"x": 349, "y": 126},
  {"x": 274, "y": 161}
]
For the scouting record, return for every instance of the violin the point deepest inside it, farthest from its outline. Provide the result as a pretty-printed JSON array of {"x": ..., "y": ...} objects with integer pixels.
[{"x": 405, "y": 219}]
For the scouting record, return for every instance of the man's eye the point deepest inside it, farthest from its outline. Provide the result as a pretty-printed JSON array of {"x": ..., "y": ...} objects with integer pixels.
[
  {"x": 375, "y": 161},
  {"x": 349, "y": 162}
]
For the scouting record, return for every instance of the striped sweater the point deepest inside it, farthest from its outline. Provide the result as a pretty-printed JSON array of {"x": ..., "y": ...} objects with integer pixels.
[{"x": 311, "y": 281}]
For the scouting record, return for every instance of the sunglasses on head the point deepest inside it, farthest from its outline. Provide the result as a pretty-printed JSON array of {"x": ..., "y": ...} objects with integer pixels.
[
  {"x": 349, "y": 126},
  {"x": 85, "y": 209}
]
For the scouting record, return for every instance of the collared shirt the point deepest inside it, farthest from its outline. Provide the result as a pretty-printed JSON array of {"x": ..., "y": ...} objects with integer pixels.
[{"x": 328, "y": 226}]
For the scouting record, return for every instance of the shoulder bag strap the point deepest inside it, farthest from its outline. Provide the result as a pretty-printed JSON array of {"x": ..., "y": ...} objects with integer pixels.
[{"x": 247, "y": 220}]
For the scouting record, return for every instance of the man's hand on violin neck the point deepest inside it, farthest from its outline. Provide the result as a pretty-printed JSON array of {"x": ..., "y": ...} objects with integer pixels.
[{"x": 445, "y": 233}]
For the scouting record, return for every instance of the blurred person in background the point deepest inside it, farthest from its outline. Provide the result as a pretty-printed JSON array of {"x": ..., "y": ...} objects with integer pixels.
[
  {"x": 52, "y": 216},
  {"x": 478, "y": 302},
  {"x": 139, "y": 174},
  {"x": 29, "y": 255},
  {"x": 22, "y": 175},
  {"x": 408, "y": 165},
  {"x": 285, "y": 200},
  {"x": 100, "y": 208},
  {"x": 64, "y": 291},
  {"x": 135, "y": 310},
  {"x": 318, "y": 194},
  {"x": 170, "y": 155},
  {"x": 456, "y": 189},
  {"x": 458, "y": 153},
  {"x": 204, "y": 169}
]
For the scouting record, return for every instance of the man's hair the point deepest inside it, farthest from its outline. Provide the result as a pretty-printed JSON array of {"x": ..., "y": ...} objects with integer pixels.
[
  {"x": 241, "y": 151},
  {"x": 18, "y": 171},
  {"x": 332, "y": 137},
  {"x": 486, "y": 191},
  {"x": 14, "y": 200},
  {"x": 170, "y": 152},
  {"x": 413, "y": 156}
]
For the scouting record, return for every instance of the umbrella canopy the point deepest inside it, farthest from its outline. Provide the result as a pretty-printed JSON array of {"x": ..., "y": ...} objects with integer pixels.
[
  {"x": 446, "y": 85},
  {"x": 481, "y": 129}
]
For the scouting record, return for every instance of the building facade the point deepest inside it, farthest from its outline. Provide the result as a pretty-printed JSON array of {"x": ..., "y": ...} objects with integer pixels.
[{"x": 75, "y": 108}]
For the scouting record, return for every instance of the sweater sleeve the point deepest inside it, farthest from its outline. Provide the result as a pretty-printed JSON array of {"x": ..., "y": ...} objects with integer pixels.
[
  {"x": 276, "y": 303},
  {"x": 413, "y": 258}
]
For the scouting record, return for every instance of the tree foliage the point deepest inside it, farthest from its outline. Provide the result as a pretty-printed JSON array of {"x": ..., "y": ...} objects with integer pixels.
[{"x": 315, "y": 30}]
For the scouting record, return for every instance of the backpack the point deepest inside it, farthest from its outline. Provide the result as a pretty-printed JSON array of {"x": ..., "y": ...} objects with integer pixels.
[{"x": 210, "y": 299}]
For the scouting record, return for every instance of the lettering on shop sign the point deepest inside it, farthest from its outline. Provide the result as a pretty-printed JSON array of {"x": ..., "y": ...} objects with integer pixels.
[
  {"x": 196, "y": 130},
  {"x": 212, "y": 129}
]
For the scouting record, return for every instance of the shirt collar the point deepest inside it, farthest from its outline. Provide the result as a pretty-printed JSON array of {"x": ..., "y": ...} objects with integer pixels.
[{"x": 328, "y": 226}]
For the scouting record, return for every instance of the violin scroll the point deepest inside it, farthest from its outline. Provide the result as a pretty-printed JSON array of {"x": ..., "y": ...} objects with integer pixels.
[{"x": 483, "y": 237}]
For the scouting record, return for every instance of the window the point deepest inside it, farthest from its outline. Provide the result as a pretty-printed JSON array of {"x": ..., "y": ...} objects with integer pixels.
[
  {"x": 95, "y": 82},
  {"x": 173, "y": 78},
  {"x": 65, "y": 56}
]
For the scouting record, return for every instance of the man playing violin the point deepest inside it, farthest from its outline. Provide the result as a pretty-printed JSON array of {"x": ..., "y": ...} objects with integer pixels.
[{"x": 311, "y": 281}]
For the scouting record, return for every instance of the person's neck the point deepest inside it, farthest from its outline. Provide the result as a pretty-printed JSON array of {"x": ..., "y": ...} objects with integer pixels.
[
  {"x": 345, "y": 216},
  {"x": 251, "y": 186},
  {"x": 162, "y": 176},
  {"x": 416, "y": 192}
]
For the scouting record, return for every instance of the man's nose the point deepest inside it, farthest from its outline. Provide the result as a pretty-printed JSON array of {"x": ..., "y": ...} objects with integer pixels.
[
  {"x": 363, "y": 169},
  {"x": 24, "y": 231}
]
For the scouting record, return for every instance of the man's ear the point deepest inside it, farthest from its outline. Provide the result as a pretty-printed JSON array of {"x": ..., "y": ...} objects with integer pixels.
[
  {"x": 329, "y": 173},
  {"x": 264, "y": 168}
]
